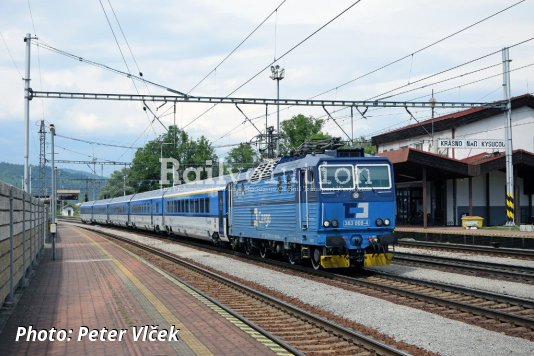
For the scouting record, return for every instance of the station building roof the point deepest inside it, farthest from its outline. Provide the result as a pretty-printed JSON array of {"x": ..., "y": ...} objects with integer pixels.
[
  {"x": 448, "y": 121},
  {"x": 408, "y": 163},
  {"x": 483, "y": 163}
]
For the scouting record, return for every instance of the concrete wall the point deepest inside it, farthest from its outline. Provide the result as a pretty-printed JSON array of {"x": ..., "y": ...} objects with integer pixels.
[{"x": 23, "y": 224}]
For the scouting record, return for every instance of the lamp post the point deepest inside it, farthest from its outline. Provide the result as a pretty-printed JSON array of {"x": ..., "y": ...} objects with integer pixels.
[{"x": 278, "y": 75}]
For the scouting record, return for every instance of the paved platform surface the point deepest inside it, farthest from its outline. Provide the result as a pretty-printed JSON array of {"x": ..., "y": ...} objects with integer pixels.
[
  {"x": 456, "y": 230},
  {"x": 94, "y": 284}
]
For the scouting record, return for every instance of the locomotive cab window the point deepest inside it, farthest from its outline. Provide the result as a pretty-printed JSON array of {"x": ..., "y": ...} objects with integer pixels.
[
  {"x": 336, "y": 177},
  {"x": 373, "y": 176}
]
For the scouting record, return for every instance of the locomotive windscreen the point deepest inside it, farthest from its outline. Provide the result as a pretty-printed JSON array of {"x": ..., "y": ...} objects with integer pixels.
[
  {"x": 373, "y": 176},
  {"x": 336, "y": 177}
]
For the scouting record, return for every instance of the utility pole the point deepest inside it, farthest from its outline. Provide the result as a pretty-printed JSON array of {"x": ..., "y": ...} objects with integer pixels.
[
  {"x": 42, "y": 159},
  {"x": 352, "y": 125},
  {"x": 161, "y": 160},
  {"x": 508, "y": 137},
  {"x": 433, "y": 104},
  {"x": 278, "y": 75},
  {"x": 27, "y": 97},
  {"x": 53, "y": 196}
]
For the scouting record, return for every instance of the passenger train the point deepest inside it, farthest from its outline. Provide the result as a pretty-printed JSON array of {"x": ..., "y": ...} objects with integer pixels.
[{"x": 335, "y": 209}]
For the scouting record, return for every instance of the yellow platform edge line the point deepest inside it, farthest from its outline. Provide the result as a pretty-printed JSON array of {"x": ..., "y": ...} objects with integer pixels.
[
  {"x": 278, "y": 349},
  {"x": 184, "y": 334}
]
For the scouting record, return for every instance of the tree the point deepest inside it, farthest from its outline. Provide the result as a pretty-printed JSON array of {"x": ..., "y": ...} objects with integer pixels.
[
  {"x": 364, "y": 143},
  {"x": 300, "y": 129},
  {"x": 117, "y": 185},
  {"x": 175, "y": 143},
  {"x": 242, "y": 156}
]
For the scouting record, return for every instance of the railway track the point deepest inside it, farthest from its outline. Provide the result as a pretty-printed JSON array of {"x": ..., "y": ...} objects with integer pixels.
[
  {"x": 457, "y": 265},
  {"x": 509, "y": 315},
  {"x": 525, "y": 254},
  {"x": 301, "y": 331}
]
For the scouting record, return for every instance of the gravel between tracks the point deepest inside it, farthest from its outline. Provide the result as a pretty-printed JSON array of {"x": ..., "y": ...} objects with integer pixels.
[
  {"x": 508, "y": 288},
  {"x": 413, "y": 326},
  {"x": 469, "y": 256}
]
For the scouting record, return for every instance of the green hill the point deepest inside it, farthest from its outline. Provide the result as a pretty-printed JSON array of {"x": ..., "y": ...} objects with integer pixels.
[{"x": 86, "y": 182}]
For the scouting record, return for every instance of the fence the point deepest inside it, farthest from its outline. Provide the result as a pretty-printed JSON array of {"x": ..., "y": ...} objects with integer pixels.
[{"x": 23, "y": 225}]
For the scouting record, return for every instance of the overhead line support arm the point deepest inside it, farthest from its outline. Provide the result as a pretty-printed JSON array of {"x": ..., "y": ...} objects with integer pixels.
[{"x": 260, "y": 101}]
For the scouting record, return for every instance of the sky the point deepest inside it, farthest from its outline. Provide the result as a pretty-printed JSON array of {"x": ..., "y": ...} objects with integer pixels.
[{"x": 177, "y": 43}]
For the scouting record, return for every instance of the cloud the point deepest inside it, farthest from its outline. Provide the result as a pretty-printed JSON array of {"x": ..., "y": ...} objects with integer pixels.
[{"x": 178, "y": 43}]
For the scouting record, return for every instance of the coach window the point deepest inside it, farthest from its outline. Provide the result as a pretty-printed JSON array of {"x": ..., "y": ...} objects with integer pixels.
[
  {"x": 207, "y": 205},
  {"x": 288, "y": 180},
  {"x": 279, "y": 184}
]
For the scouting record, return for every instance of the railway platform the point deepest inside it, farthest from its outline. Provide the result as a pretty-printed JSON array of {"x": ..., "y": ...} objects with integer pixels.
[
  {"x": 99, "y": 299},
  {"x": 460, "y": 235}
]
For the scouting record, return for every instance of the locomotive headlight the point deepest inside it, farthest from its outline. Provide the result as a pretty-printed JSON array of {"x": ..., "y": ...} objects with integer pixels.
[
  {"x": 387, "y": 222},
  {"x": 335, "y": 223},
  {"x": 379, "y": 222},
  {"x": 355, "y": 195},
  {"x": 326, "y": 223}
]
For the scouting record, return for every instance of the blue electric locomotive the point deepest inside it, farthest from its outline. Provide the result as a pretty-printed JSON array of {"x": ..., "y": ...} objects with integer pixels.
[
  {"x": 337, "y": 211},
  {"x": 335, "y": 208}
]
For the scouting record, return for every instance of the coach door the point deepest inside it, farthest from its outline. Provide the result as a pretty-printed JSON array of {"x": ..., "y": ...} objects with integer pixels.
[
  {"x": 152, "y": 206},
  {"x": 303, "y": 199},
  {"x": 220, "y": 201}
]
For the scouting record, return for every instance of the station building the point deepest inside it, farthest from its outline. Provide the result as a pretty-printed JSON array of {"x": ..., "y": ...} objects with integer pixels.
[{"x": 437, "y": 185}]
